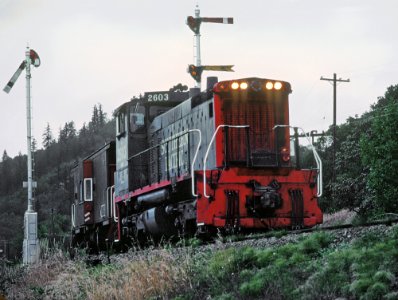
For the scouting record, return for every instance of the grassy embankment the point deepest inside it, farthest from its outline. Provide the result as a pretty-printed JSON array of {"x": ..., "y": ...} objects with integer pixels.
[{"x": 313, "y": 268}]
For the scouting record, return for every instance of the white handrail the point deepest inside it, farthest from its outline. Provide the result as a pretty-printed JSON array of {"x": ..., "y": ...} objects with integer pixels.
[
  {"x": 116, "y": 219},
  {"x": 316, "y": 156},
  {"x": 73, "y": 219},
  {"x": 108, "y": 203},
  {"x": 208, "y": 150},
  {"x": 194, "y": 160}
]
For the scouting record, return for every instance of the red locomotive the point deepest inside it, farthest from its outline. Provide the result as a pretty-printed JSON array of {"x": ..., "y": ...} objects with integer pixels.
[{"x": 197, "y": 162}]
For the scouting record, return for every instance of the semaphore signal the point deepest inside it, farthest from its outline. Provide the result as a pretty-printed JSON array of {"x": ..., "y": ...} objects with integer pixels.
[
  {"x": 194, "y": 24},
  {"x": 30, "y": 243}
]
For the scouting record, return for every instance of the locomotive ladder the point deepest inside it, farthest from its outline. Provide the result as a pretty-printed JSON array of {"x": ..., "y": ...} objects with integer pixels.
[
  {"x": 208, "y": 151},
  {"x": 232, "y": 217},
  {"x": 297, "y": 214}
]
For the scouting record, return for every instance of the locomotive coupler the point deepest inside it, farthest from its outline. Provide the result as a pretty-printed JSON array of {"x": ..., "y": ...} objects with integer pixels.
[{"x": 264, "y": 198}]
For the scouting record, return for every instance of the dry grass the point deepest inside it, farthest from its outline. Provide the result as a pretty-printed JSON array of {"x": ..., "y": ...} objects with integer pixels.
[
  {"x": 153, "y": 274},
  {"x": 32, "y": 279},
  {"x": 157, "y": 274},
  {"x": 344, "y": 216}
]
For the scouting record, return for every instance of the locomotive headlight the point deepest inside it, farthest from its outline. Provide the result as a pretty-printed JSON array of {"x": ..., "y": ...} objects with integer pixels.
[
  {"x": 277, "y": 85},
  {"x": 243, "y": 85},
  {"x": 235, "y": 85},
  {"x": 269, "y": 85}
]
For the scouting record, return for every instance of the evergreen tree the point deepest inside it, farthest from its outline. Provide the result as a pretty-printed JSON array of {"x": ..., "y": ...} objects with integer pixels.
[
  {"x": 5, "y": 173},
  {"x": 94, "y": 118},
  {"x": 98, "y": 119},
  {"x": 47, "y": 135},
  {"x": 34, "y": 145},
  {"x": 5, "y": 156},
  {"x": 101, "y": 116},
  {"x": 67, "y": 133}
]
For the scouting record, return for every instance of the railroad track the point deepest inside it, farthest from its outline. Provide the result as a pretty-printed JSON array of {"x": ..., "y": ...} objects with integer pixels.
[
  {"x": 329, "y": 228},
  {"x": 228, "y": 240}
]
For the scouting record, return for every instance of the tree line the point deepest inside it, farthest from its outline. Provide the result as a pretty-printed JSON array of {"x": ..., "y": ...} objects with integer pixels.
[
  {"x": 366, "y": 161},
  {"x": 51, "y": 166}
]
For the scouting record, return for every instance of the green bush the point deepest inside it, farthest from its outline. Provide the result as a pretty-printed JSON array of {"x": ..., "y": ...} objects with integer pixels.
[
  {"x": 269, "y": 272},
  {"x": 254, "y": 286}
]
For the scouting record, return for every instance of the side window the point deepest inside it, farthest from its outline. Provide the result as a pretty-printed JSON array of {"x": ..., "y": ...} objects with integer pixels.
[
  {"x": 137, "y": 118},
  {"x": 121, "y": 123},
  {"x": 88, "y": 189}
]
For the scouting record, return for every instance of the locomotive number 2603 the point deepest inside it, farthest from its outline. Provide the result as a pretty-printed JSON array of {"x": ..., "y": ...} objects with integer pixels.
[{"x": 157, "y": 97}]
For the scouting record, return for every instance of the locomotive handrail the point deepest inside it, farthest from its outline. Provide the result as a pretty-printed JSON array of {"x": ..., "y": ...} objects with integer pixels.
[
  {"x": 158, "y": 145},
  {"x": 173, "y": 138},
  {"x": 107, "y": 202},
  {"x": 116, "y": 219},
  {"x": 194, "y": 160},
  {"x": 73, "y": 219},
  {"x": 110, "y": 201},
  {"x": 208, "y": 150},
  {"x": 316, "y": 156}
]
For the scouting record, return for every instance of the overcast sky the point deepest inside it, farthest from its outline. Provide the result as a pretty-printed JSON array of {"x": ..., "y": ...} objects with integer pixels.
[{"x": 106, "y": 52}]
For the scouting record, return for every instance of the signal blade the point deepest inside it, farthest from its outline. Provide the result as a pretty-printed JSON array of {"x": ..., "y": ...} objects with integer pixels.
[
  {"x": 226, "y": 68},
  {"x": 14, "y": 78},
  {"x": 219, "y": 20}
]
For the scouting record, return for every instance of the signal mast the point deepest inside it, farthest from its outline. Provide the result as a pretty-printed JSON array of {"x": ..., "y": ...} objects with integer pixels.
[
  {"x": 30, "y": 244},
  {"x": 197, "y": 69}
]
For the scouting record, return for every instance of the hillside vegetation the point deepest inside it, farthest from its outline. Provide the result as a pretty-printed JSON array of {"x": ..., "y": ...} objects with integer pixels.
[{"x": 52, "y": 165}]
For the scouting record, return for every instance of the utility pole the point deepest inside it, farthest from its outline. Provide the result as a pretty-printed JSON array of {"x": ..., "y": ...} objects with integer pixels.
[{"x": 335, "y": 80}]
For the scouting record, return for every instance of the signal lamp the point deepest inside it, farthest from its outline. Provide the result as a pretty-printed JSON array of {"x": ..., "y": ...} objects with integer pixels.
[
  {"x": 235, "y": 85},
  {"x": 269, "y": 85},
  {"x": 285, "y": 155},
  {"x": 277, "y": 85},
  {"x": 223, "y": 86},
  {"x": 243, "y": 85},
  {"x": 196, "y": 72}
]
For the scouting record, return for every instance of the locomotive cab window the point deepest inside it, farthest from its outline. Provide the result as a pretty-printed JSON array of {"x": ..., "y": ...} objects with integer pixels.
[
  {"x": 137, "y": 119},
  {"x": 120, "y": 123},
  {"x": 88, "y": 189}
]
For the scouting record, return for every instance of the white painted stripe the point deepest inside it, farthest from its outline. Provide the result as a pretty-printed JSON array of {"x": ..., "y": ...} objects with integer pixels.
[
  {"x": 225, "y": 20},
  {"x": 87, "y": 214},
  {"x": 86, "y": 219}
]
